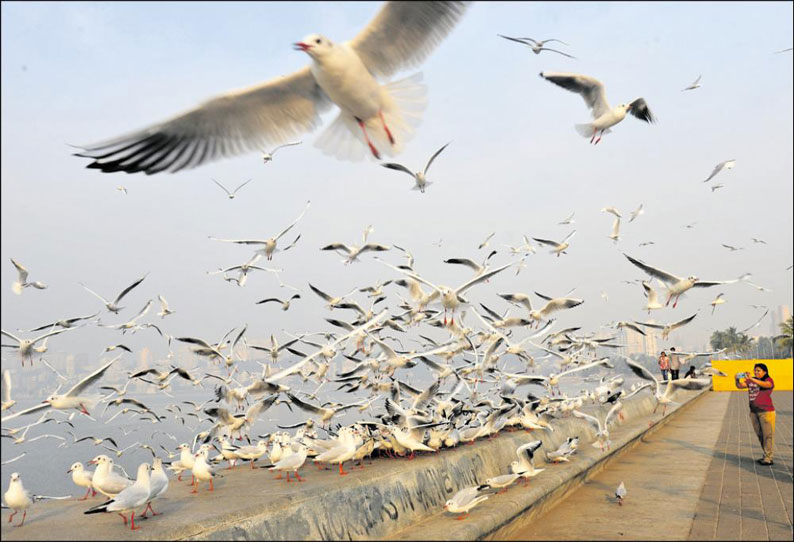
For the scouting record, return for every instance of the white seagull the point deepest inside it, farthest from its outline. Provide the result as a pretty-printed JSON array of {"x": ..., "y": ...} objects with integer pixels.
[
  {"x": 400, "y": 36},
  {"x": 594, "y": 94},
  {"x": 232, "y": 194},
  {"x": 25, "y": 346},
  {"x": 18, "y": 498},
  {"x": 268, "y": 156},
  {"x": 727, "y": 164},
  {"x": 70, "y": 399},
  {"x": 694, "y": 85},
  {"x": 557, "y": 248},
  {"x": 668, "y": 328},
  {"x": 677, "y": 285},
  {"x": 269, "y": 245},
  {"x": 22, "y": 279},
  {"x": 538, "y": 46},
  {"x": 464, "y": 500},
  {"x": 112, "y": 306},
  {"x": 420, "y": 177},
  {"x": 637, "y": 212},
  {"x": 129, "y": 499}
]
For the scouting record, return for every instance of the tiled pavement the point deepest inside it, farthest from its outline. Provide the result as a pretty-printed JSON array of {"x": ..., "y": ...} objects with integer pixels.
[
  {"x": 742, "y": 500},
  {"x": 694, "y": 478}
]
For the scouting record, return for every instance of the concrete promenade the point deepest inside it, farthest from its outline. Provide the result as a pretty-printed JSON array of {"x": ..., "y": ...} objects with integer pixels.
[{"x": 695, "y": 478}]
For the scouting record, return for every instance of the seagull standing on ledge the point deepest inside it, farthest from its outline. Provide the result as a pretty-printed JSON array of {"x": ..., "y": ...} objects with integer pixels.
[
  {"x": 594, "y": 94},
  {"x": 400, "y": 36}
]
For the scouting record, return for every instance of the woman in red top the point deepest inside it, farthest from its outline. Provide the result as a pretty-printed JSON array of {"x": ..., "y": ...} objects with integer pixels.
[{"x": 762, "y": 411}]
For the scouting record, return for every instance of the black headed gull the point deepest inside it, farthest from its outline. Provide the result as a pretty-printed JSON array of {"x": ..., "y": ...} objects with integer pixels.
[
  {"x": 695, "y": 84},
  {"x": 568, "y": 220},
  {"x": 112, "y": 306},
  {"x": 268, "y": 245},
  {"x": 284, "y": 304},
  {"x": 668, "y": 328},
  {"x": 637, "y": 212},
  {"x": 352, "y": 253},
  {"x": 464, "y": 500},
  {"x": 420, "y": 177},
  {"x": 594, "y": 94},
  {"x": 25, "y": 346},
  {"x": 727, "y": 164},
  {"x": 552, "y": 305},
  {"x": 22, "y": 280},
  {"x": 129, "y": 499},
  {"x": 672, "y": 385},
  {"x": 401, "y": 35},
  {"x": 70, "y": 399},
  {"x": 538, "y": 46},
  {"x": 233, "y": 193},
  {"x": 18, "y": 498},
  {"x": 82, "y": 478},
  {"x": 557, "y": 248},
  {"x": 64, "y": 323},
  {"x": 677, "y": 285}
]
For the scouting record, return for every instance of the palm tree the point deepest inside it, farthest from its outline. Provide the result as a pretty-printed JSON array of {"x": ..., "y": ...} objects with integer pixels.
[
  {"x": 784, "y": 340},
  {"x": 732, "y": 341}
]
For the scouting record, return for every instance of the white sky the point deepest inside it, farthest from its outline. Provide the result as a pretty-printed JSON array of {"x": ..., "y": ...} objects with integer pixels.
[{"x": 84, "y": 72}]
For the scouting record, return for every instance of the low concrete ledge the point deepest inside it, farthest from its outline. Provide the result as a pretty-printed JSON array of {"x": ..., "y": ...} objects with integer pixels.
[
  {"x": 504, "y": 515},
  {"x": 387, "y": 499}
]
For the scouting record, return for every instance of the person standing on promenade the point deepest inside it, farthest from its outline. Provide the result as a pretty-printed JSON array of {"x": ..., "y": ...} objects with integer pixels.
[
  {"x": 675, "y": 363},
  {"x": 664, "y": 364},
  {"x": 762, "y": 411}
]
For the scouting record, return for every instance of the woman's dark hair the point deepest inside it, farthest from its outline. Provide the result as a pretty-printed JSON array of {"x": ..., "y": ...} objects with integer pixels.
[
  {"x": 663, "y": 353},
  {"x": 762, "y": 366}
]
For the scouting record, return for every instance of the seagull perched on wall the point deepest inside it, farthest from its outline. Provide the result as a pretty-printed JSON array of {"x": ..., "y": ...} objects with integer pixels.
[
  {"x": 372, "y": 115},
  {"x": 594, "y": 94}
]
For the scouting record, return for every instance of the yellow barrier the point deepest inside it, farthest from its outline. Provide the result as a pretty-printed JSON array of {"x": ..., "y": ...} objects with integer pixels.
[{"x": 781, "y": 370}]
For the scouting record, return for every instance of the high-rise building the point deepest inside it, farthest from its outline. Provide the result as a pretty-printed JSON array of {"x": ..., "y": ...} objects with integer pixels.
[
  {"x": 779, "y": 315},
  {"x": 637, "y": 343}
]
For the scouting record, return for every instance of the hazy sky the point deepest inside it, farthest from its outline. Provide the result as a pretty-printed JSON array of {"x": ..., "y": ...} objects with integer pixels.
[{"x": 83, "y": 72}]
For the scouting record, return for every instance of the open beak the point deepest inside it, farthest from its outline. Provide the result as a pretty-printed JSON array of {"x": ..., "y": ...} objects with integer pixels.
[{"x": 300, "y": 46}]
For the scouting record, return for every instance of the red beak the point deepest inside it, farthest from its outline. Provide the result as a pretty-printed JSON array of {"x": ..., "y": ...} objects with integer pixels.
[{"x": 300, "y": 46}]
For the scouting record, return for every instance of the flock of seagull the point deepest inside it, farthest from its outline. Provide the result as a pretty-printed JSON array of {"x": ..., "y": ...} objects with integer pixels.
[{"x": 480, "y": 369}]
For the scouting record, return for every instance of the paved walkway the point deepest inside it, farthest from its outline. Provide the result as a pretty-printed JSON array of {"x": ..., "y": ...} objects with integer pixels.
[
  {"x": 695, "y": 478},
  {"x": 741, "y": 499}
]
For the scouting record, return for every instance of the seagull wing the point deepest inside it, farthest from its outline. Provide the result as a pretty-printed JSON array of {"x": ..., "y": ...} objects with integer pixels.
[
  {"x": 522, "y": 41},
  {"x": 559, "y": 304},
  {"x": 427, "y": 166},
  {"x": 306, "y": 406},
  {"x": 23, "y": 273},
  {"x": 127, "y": 290},
  {"x": 640, "y": 109},
  {"x": 546, "y": 242},
  {"x": 590, "y": 88},
  {"x": 321, "y": 293},
  {"x": 654, "y": 272},
  {"x": 242, "y": 185},
  {"x": 90, "y": 379},
  {"x": 30, "y": 410},
  {"x": 337, "y": 246},
  {"x": 402, "y": 34},
  {"x": 520, "y": 299},
  {"x": 465, "y": 261},
  {"x": 683, "y": 322},
  {"x": 222, "y": 187},
  {"x": 288, "y": 228},
  {"x": 556, "y": 51},
  {"x": 105, "y": 301},
  {"x": 399, "y": 167},
  {"x": 641, "y": 372},
  {"x": 595, "y": 422},
  {"x": 238, "y": 121},
  {"x": 476, "y": 280}
]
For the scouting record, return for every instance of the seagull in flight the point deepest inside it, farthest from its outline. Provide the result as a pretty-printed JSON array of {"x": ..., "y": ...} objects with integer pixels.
[
  {"x": 694, "y": 85},
  {"x": 727, "y": 164},
  {"x": 22, "y": 279},
  {"x": 113, "y": 306},
  {"x": 538, "y": 46},
  {"x": 268, "y": 156},
  {"x": 233, "y": 193},
  {"x": 568, "y": 220},
  {"x": 668, "y": 328},
  {"x": 677, "y": 285},
  {"x": 594, "y": 94},
  {"x": 558, "y": 248},
  {"x": 637, "y": 212},
  {"x": 420, "y": 177},
  {"x": 268, "y": 245},
  {"x": 372, "y": 115}
]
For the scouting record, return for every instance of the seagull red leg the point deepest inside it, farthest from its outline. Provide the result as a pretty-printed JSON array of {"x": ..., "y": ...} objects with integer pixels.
[
  {"x": 388, "y": 132},
  {"x": 372, "y": 148}
]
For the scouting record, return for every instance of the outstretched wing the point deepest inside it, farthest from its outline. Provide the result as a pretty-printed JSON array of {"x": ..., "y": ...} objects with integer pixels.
[
  {"x": 236, "y": 122},
  {"x": 653, "y": 271},
  {"x": 403, "y": 34},
  {"x": 590, "y": 88}
]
